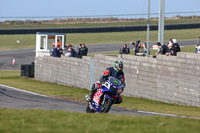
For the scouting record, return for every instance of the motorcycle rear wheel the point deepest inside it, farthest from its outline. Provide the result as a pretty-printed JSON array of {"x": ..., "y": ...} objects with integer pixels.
[{"x": 106, "y": 105}]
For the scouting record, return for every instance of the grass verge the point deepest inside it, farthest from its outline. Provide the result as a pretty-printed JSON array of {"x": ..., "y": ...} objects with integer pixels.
[
  {"x": 29, "y": 41},
  {"x": 12, "y": 78},
  {"x": 31, "y": 121}
]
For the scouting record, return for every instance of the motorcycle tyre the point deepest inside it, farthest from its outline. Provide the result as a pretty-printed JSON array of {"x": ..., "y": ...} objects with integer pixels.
[
  {"x": 109, "y": 104},
  {"x": 88, "y": 110}
]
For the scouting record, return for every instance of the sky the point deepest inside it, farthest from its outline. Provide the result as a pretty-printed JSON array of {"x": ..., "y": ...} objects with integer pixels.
[{"x": 34, "y": 8}]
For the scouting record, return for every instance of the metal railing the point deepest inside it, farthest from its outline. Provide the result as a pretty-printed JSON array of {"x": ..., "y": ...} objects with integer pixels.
[{"x": 95, "y": 19}]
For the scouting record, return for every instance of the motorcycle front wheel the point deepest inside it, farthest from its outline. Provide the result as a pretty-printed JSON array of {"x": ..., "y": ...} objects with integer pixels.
[
  {"x": 106, "y": 105},
  {"x": 88, "y": 110}
]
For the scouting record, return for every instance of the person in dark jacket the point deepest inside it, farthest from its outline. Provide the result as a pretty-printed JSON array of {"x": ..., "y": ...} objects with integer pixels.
[
  {"x": 83, "y": 51},
  {"x": 115, "y": 71},
  {"x": 136, "y": 46},
  {"x": 162, "y": 49},
  {"x": 124, "y": 49},
  {"x": 56, "y": 51},
  {"x": 71, "y": 53},
  {"x": 175, "y": 48}
]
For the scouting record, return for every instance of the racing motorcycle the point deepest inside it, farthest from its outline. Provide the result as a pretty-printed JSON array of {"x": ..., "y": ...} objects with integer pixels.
[{"x": 105, "y": 96}]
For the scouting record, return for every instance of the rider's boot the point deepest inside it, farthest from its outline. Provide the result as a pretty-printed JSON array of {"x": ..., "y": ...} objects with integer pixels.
[{"x": 92, "y": 92}]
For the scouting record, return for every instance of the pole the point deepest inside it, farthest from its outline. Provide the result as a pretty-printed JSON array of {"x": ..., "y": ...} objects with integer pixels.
[
  {"x": 161, "y": 22},
  {"x": 148, "y": 27}
]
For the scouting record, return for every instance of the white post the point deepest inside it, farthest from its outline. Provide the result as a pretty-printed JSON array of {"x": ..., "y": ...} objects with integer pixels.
[
  {"x": 161, "y": 22},
  {"x": 148, "y": 28}
]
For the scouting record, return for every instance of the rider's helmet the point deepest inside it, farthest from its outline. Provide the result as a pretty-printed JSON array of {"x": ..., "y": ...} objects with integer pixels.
[{"x": 118, "y": 66}]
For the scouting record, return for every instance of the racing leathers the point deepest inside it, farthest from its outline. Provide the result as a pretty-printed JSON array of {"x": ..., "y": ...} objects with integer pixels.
[{"x": 109, "y": 72}]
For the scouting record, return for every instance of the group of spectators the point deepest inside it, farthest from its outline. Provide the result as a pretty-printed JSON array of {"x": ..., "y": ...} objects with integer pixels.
[
  {"x": 140, "y": 48},
  {"x": 169, "y": 49},
  {"x": 57, "y": 51}
]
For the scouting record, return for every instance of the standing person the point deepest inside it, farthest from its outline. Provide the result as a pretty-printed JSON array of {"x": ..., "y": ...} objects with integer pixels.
[
  {"x": 162, "y": 49},
  {"x": 83, "y": 51},
  {"x": 56, "y": 52},
  {"x": 115, "y": 71},
  {"x": 136, "y": 45},
  {"x": 170, "y": 49},
  {"x": 124, "y": 49},
  {"x": 58, "y": 43},
  {"x": 139, "y": 47},
  {"x": 197, "y": 50},
  {"x": 74, "y": 53},
  {"x": 175, "y": 48},
  {"x": 144, "y": 50},
  {"x": 51, "y": 50},
  {"x": 79, "y": 49},
  {"x": 61, "y": 50}
]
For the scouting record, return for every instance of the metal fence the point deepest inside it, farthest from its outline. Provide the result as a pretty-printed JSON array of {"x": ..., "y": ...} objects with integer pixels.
[{"x": 96, "y": 19}]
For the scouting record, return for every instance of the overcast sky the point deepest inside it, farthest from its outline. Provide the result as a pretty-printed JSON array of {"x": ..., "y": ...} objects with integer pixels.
[{"x": 31, "y": 8}]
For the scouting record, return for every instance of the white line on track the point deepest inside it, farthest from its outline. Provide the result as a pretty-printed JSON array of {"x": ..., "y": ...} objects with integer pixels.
[{"x": 13, "y": 88}]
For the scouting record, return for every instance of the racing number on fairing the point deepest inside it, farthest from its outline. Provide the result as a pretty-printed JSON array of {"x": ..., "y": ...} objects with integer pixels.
[{"x": 107, "y": 85}]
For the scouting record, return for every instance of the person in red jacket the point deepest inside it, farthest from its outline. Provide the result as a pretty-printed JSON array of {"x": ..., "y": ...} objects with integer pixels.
[{"x": 115, "y": 71}]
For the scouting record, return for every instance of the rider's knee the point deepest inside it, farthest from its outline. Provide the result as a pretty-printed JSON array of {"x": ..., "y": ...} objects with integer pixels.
[
  {"x": 95, "y": 86},
  {"x": 118, "y": 100}
]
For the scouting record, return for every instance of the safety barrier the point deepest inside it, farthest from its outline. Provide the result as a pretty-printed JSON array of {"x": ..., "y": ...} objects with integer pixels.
[{"x": 99, "y": 29}]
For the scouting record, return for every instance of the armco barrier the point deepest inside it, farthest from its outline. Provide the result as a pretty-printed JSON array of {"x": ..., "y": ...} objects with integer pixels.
[
  {"x": 171, "y": 79},
  {"x": 99, "y": 29}
]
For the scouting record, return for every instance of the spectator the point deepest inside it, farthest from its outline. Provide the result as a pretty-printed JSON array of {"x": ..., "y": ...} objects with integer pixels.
[
  {"x": 170, "y": 48},
  {"x": 197, "y": 50},
  {"x": 58, "y": 43},
  {"x": 61, "y": 50},
  {"x": 51, "y": 50},
  {"x": 136, "y": 45},
  {"x": 144, "y": 50},
  {"x": 83, "y": 51},
  {"x": 79, "y": 49},
  {"x": 124, "y": 49},
  {"x": 162, "y": 49},
  {"x": 71, "y": 52},
  {"x": 175, "y": 48},
  {"x": 140, "y": 47},
  {"x": 56, "y": 52}
]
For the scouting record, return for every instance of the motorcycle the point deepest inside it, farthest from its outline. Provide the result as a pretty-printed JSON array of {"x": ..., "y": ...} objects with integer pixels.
[{"x": 105, "y": 96}]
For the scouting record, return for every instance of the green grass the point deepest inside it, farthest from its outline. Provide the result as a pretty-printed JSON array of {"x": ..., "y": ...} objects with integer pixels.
[
  {"x": 12, "y": 78},
  {"x": 136, "y": 22},
  {"x": 32, "y": 121},
  {"x": 29, "y": 41}
]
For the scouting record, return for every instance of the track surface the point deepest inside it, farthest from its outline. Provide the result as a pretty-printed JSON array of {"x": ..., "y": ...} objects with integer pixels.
[
  {"x": 26, "y": 56},
  {"x": 14, "y": 98}
]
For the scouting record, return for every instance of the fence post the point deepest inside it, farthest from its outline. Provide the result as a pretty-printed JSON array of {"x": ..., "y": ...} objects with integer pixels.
[{"x": 91, "y": 71}]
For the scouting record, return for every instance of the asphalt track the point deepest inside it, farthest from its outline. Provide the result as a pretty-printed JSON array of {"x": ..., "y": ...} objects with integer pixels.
[
  {"x": 26, "y": 56},
  {"x": 14, "y": 98}
]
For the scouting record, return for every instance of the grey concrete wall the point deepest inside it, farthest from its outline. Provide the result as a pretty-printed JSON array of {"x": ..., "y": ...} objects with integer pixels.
[{"x": 167, "y": 78}]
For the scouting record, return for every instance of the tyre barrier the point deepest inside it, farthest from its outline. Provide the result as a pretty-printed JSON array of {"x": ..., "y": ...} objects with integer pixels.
[
  {"x": 99, "y": 29},
  {"x": 27, "y": 70}
]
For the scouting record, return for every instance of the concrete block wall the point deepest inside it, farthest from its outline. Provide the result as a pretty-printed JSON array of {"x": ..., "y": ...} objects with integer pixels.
[
  {"x": 171, "y": 79},
  {"x": 64, "y": 71}
]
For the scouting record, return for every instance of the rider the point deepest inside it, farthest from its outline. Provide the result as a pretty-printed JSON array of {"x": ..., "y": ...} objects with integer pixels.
[{"x": 115, "y": 71}]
